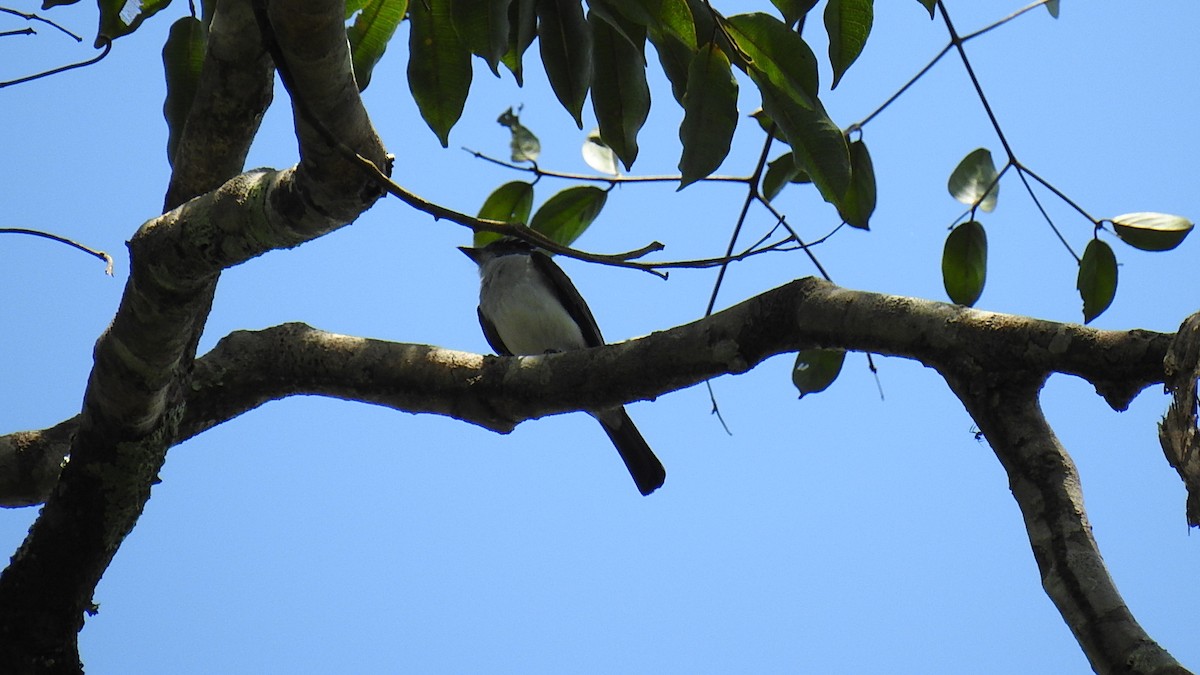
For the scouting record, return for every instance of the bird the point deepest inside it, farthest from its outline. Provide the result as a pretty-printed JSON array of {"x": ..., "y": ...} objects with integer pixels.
[{"x": 528, "y": 306}]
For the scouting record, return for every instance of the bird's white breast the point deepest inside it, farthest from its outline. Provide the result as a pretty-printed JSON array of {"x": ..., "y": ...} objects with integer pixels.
[{"x": 527, "y": 315}]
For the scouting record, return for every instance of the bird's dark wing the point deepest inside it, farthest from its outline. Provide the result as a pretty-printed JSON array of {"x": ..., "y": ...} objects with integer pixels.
[
  {"x": 493, "y": 337},
  {"x": 570, "y": 298}
]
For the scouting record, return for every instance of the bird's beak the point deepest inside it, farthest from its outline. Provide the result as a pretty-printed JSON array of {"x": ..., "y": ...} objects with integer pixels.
[{"x": 472, "y": 253}]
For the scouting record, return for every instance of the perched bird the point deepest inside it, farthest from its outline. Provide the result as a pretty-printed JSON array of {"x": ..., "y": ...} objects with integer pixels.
[{"x": 528, "y": 305}]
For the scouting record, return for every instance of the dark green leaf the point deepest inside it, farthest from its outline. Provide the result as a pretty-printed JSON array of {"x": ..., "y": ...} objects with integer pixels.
[
  {"x": 183, "y": 55},
  {"x": 483, "y": 26},
  {"x": 848, "y": 23},
  {"x": 121, "y": 17},
  {"x": 1097, "y": 281},
  {"x": 781, "y": 171},
  {"x": 522, "y": 27},
  {"x": 859, "y": 203},
  {"x": 816, "y": 369},
  {"x": 929, "y": 5},
  {"x": 566, "y": 46},
  {"x": 370, "y": 34},
  {"x": 1152, "y": 231},
  {"x": 964, "y": 263},
  {"x": 975, "y": 180},
  {"x": 1052, "y": 7},
  {"x": 818, "y": 145},
  {"x": 671, "y": 28},
  {"x": 709, "y": 114},
  {"x": 509, "y": 203},
  {"x": 620, "y": 96},
  {"x": 792, "y": 10},
  {"x": 439, "y": 66},
  {"x": 567, "y": 214},
  {"x": 777, "y": 55},
  {"x": 659, "y": 17}
]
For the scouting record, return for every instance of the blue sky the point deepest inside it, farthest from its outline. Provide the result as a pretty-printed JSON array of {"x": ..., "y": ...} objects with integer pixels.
[{"x": 838, "y": 534}]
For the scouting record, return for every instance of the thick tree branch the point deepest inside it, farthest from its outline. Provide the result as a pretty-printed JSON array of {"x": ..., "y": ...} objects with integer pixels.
[
  {"x": 249, "y": 368},
  {"x": 137, "y": 390},
  {"x": 1046, "y": 485}
]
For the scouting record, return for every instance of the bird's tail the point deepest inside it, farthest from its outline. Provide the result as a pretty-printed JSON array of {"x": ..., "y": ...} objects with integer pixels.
[{"x": 645, "y": 468}]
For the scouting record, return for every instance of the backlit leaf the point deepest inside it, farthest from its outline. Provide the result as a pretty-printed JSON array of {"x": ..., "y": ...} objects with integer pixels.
[
  {"x": 1152, "y": 231},
  {"x": 792, "y": 10},
  {"x": 816, "y": 369},
  {"x": 509, "y": 203},
  {"x": 122, "y": 17},
  {"x": 709, "y": 114},
  {"x": 974, "y": 180},
  {"x": 848, "y": 23},
  {"x": 567, "y": 214},
  {"x": 964, "y": 263},
  {"x": 929, "y": 5},
  {"x": 483, "y": 26},
  {"x": 370, "y": 33},
  {"x": 620, "y": 95},
  {"x": 859, "y": 203},
  {"x": 522, "y": 27},
  {"x": 566, "y": 46},
  {"x": 781, "y": 171},
  {"x": 777, "y": 54},
  {"x": 1097, "y": 281},
  {"x": 598, "y": 155},
  {"x": 439, "y": 66},
  {"x": 183, "y": 55}
]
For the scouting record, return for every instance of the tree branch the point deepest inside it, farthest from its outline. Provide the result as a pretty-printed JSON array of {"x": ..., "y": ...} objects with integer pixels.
[
  {"x": 1046, "y": 485},
  {"x": 136, "y": 393},
  {"x": 249, "y": 368}
]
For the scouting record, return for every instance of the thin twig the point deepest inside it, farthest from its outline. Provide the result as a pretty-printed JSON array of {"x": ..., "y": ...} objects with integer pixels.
[
  {"x": 540, "y": 172},
  {"x": 60, "y": 69},
  {"x": 35, "y": 17},
  {"x": 108, "y": 261}
]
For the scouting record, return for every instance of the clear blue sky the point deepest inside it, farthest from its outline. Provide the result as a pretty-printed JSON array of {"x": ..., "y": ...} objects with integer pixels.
[{"x": 838, "y": 534}]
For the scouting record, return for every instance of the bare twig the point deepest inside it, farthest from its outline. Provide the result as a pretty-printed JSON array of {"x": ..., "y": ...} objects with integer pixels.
[{"x": 108, "y": 261}]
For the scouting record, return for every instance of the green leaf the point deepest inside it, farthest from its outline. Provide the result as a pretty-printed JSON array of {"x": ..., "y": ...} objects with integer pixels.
[
  {"x": 1052, "y": 7},
  {"x": 964, "y": 263},
  {"x": 522, "y": 27},
  {"x": 566, "y": 47},
  {"x": 1097, "y": 281},
  {"x": 659, "y": 17},
  {"x": 793, "y": 10},
  {"x": 859, "y": 203},
  {"x": 183, "y": 55},
  {"x": 929, "y": 5},
  {"x": 620, "y": 96},
  {"x": 777, "y": 55},
  {"x": 848, "y": 23},
  {"x": 816, "y": 369},
  {"x": 439, "y": 66},
  {"x": 975, "y": 180},
  {"x": 818, "y": 145},
  {"x": 1152, "y": 231},
  {"x": 122, "y": 17},
  {"x": 671, "y": 28},
  {"x": 370, "y": 34},
  {"x": 524, "y": 145},
  {"x": 567, "y": 214},
  {"x": 483, "y": 30},
  {"x": 509, "y": 203},
  {"x": 781, "y": 171},
  {"x": 709, "y": 114}
]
